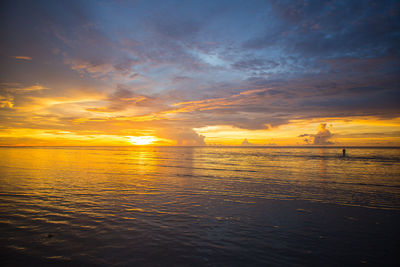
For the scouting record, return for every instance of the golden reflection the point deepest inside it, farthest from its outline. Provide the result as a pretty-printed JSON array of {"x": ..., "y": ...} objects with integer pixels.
[
  {"x": 322, "y": 162},
  {"x": 144, "y": 160}
]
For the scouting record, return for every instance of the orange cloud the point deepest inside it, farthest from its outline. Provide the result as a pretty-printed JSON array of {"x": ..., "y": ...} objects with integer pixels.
[
  {"x": 214, "y": 103},
  {"x": 6, "y": 101},
  {"x": 322, "y": 137},
  {"x": 22, "y": 57},
  {"x": 36, "y": 87}
]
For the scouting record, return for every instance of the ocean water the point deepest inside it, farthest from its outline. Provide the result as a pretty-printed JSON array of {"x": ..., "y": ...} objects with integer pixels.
[{"x": 199, "y": 206}]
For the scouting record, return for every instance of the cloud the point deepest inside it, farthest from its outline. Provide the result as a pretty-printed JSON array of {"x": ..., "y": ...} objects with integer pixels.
[
  {"x": 102, "y": 68},
  {"x": 312, "y": 28},
  {"x": 32, "y": 88},
  {"x": 247, "y": 143},
  {"x": 6, "y": 101},
  {"x": 22, "y": 57},
  {"x": 10, "y": 92},
  {"x": 20, "y": 88},
  {"x": 184, "y": 136},
  {"x": 124, "y": 98},
  {"x": 255, "y": 64},
  {"x": 322, "y": 137}
]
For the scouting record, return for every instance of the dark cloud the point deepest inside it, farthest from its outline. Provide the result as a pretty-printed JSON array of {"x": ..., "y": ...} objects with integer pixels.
[
  {"x": 313, "y": 28},
  {"x": 255, "y": 64}
]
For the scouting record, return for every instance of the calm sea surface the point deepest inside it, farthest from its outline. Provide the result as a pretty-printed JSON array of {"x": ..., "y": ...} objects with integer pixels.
[{"x": 181, "y": 206}]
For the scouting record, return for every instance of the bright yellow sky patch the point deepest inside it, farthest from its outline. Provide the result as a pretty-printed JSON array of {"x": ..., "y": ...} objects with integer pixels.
[
  {"x": 142, "y": 140},
  {"x": 360, "y": 131}
]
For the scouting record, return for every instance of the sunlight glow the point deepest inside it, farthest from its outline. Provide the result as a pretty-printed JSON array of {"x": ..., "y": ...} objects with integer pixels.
[{"x": 141, "y": 140}]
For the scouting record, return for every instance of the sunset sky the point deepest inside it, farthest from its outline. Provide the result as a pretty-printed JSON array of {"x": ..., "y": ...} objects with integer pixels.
[{"x": 200, "y": 73}]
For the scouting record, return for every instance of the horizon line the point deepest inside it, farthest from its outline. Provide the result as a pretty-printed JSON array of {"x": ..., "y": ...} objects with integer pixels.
[{"x": 233, "y": 146}]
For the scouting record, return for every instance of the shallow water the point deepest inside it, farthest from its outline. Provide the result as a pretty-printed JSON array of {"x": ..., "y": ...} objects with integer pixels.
[{"x": 215, "y": 206}]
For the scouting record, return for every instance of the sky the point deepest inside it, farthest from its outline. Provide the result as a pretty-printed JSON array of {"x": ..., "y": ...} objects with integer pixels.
[{"x": 200, "y": 73}]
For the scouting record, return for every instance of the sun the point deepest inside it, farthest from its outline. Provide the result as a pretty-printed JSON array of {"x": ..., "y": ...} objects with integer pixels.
[{"x": 141, "y": 140}]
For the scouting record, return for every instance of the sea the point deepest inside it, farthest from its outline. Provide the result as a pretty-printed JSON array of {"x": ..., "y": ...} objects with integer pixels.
[{"x": 199, "y": 206}]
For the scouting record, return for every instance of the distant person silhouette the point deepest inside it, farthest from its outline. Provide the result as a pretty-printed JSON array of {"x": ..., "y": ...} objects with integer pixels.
[{"x": 344, "y": 152}]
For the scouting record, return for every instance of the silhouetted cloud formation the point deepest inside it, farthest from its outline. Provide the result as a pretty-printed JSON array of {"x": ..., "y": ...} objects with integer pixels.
[
  {"x": 322, "y": 137},
  {"x": 246, "y": 142}
]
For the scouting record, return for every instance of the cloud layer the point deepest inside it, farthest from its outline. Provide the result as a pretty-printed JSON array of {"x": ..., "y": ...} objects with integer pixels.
[{"x": 167, "y": 67}]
